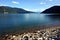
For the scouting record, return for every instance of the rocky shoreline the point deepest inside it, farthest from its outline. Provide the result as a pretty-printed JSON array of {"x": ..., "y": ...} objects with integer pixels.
[{"x": 46, "y": 29}]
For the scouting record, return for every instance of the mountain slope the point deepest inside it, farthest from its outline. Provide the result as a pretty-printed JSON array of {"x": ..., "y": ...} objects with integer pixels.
[
  {"x": 12, "y": 10},
  {"x": 54, "y": 10}
]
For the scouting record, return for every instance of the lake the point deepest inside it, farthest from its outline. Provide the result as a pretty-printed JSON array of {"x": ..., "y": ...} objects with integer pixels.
[{"x": 15, "y": 22}]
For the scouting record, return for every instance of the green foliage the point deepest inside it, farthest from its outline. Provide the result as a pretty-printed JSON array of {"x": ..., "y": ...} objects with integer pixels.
[{"x": 12, "y": 10}]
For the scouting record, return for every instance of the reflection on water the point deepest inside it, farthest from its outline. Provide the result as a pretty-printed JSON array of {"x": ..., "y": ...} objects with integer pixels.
[{"x": 25, "y": 21}]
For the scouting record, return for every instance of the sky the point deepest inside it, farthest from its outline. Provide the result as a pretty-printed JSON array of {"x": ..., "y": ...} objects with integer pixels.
[{"x": 30, "y": 5}]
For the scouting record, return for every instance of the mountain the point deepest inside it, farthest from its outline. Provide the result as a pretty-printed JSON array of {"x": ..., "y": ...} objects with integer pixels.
[
  {"x": 53, "y": 10},
  {"x": 7, "y": 9}
]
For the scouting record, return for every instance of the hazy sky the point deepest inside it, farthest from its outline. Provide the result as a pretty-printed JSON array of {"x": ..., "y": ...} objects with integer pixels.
[{"x": 31, "y": 5}]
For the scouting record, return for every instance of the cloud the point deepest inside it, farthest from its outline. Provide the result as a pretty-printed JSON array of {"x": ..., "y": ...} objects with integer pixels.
[
  {"x": 26, "y": 9},
  {"x": 56, "y": 4},
  {"x": 42, "y": 10},
  {"x": 15, "y": 2},
  {"x": 42, "y": 3},
  {"x": 35, "y": 10},
  {"x": 3, "y": 5},
  {"x": 50, "y": 0}
]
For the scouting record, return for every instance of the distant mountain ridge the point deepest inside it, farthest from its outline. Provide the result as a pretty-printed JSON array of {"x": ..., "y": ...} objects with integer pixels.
[
  {"x": 12, "y": 10},
  {"x": 53, "y": 10}
]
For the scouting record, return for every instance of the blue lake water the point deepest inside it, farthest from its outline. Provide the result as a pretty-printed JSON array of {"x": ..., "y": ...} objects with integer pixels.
[{"x": 15, "y": 22}]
